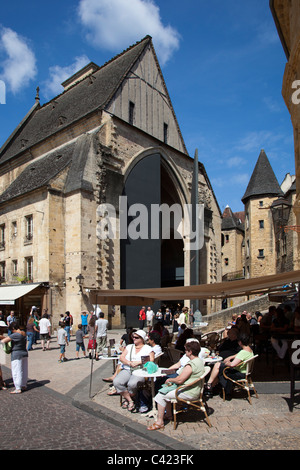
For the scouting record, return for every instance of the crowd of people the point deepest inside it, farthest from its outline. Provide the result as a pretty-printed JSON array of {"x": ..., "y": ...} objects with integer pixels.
[{"x": 240, "y": 335}]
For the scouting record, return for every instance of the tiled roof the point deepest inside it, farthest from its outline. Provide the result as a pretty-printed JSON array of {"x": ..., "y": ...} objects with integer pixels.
[
  {"x": 42, "y": 171},
  {"x": 230, "y": 221},
  {"x": 73, "y": 104}
]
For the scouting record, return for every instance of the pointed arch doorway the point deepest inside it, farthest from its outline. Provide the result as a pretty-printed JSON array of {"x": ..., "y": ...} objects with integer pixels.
[{"x": 148, "y": 261}]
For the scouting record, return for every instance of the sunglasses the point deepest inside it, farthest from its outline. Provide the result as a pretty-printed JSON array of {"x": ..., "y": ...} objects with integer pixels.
[{"x": 135, "y": 337}]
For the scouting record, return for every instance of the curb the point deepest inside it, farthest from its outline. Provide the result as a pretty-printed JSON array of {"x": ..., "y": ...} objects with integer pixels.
[{"x": 79, "y": 396}]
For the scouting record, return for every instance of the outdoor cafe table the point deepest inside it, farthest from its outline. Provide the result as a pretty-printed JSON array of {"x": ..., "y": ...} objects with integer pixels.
[
  {"x": 212, "y": 360},
  {"x": 143, "y": 373},
  {"x": 113, "y": 358}
]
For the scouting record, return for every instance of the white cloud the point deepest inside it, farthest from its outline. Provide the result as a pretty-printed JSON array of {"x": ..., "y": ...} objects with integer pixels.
[
  {"x": 19, "y": 65},
  {"x": 59, "y": 74},
  {"x": 115, "y": 24}
]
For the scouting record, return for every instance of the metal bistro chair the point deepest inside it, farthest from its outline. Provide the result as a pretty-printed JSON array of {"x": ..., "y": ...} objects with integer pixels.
[
  {"x": 246, "y": 383},
  {"x": 210, "y": 340},
  {"x": 196, "y": 403}
]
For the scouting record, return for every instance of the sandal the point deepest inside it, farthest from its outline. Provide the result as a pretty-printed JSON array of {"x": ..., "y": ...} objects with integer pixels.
[
  {"x": 125, "y": 405},
  {"x": 107, "y": 380},
  {"x": 16, "y": 392},
  {"x": 112, "y": 391},
  {"x": 131, "y": 406},
  {"x": 155, "y": 427}
]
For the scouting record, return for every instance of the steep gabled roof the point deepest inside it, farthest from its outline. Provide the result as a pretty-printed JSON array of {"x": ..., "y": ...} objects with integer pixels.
[
  {"x": 263, "y": 181},
  {"x": 85, "y": 97}
]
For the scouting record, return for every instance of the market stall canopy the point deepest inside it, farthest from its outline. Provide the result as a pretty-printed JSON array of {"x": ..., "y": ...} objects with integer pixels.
[
  {"x": 8, "y": 294},
  {"x": 245, "y": 287}
]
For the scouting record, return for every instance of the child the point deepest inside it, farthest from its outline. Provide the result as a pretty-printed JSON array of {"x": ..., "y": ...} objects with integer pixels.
[
  {"x": 62, "y": 339},
  {"x": 80, "y": 341}
]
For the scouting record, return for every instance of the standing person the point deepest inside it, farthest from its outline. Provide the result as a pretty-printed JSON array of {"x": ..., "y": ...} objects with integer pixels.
[
  {"x": 142, "y": 318},
  {"x": 11, "y": 318},
  {"x": 91, "y": 330},
  {"x": 30, "y": 332},
  {"x": 167, "y": 317},
  {"x": 19, "y": 357},
  {"x": 150, "y": 315},
  {"x": 45, "y": 331},
  {"x": 62, "y": 340},
  {"x": 80, "y": 341},
  {"x": 182, "y": 317},
  {"x": 84, "y": 321},
  {"x": 67, "y": 321},
  {"x": 101, "y": 334}
]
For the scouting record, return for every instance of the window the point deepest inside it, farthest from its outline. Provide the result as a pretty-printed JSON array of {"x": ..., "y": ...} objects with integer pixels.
[
  {"x": 166, "y": 133},
  {"x": 261, "y": 253},
  {"x": 261, "y": 203},
  {"x": 2, "y": 236},
  {"x": 131, "y": 113},
  {"x": 14, "y": 229},
  {"x": 226, "y": 261},
  {"x": 227, "y": 238},
  {"x": 29, "y": 268},
  {"x": 2, "y": 271},
  {"x": 28, "y": 228},
  {"x": 15, "y": 267},
  {"x": 261, "y": 223}
]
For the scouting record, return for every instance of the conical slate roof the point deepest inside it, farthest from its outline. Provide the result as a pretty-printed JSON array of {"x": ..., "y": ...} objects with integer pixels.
[{"x": 263, "y": 181}]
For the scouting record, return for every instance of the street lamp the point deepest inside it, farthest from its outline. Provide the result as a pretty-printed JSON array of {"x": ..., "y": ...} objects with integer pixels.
[
  {"x": 280, "y": 212},
  {"x": 79, "y": 280}
]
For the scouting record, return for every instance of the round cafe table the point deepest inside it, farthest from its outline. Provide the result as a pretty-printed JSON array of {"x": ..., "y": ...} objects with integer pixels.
[{"x": 212, "y": 360}]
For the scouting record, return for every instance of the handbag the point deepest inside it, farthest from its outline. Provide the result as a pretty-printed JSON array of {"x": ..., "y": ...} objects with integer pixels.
[
  {"x": 130, "y": 357},
  {"x": 167, "y": 388},
  {"x": 7, "y": 348}
]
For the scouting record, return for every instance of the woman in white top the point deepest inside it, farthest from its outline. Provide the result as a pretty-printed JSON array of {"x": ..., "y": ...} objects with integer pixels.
[{"x": 125, "y": 382}]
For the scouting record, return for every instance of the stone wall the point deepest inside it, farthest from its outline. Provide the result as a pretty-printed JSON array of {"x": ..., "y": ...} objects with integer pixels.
[{"x": 220, "y": 319}]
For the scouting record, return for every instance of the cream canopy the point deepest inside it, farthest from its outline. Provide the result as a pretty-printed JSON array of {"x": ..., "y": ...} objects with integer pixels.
[{"x": 258, "y": 285}]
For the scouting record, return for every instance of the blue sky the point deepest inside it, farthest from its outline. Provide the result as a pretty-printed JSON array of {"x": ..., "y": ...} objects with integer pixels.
[{"x": 222, "y": 61}]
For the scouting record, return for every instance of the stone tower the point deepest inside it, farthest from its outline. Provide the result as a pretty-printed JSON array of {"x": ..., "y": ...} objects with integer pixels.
[{"x": 262, "y": 190}]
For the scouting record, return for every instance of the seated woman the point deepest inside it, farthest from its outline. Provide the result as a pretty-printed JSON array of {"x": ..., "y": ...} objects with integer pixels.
[
  {"x": 125, "y": 382},
  {"x": 192, "y": 371},
  {"x": 236, "y": 362}
]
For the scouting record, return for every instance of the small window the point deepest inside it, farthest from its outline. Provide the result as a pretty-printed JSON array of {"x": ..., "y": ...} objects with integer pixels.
[
  {"x": 261, "y": 223},
  {"x": 131, "y": 113},
  {"x": 2, "y": 272},
  {"x": 14, "y": 229},
  {"x": 261, "y": 253},
  {"x": 29, "y": 268},
  {"x": 226, "y": 261},
  {"x": 2, "y": 236},
  {"x": 261, "y": 203},
  {"x": 28, "y": 228},
  {"x": 166, "y": 132},
  {"x": 15, "y": 267},
  {"x": 227, "y": 238}
]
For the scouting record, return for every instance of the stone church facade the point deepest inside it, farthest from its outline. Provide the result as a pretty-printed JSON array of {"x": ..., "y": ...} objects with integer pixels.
[{"x": 112, "y": 132}]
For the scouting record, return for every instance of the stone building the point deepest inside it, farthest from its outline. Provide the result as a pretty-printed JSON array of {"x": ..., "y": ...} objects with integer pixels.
[
  {"x": 263, "y": 189},
  {"x": 112, "y": 132},
  {"x": 286, "y": 15}
]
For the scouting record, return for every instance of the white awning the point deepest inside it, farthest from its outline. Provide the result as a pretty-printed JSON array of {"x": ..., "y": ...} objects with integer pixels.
[{"x": 8, "y": 294}]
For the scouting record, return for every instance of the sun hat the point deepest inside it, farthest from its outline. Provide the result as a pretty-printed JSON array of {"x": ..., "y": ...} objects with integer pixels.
[
  {"x": 3, "y": 324},
  {"x": 141, "y": 333}
]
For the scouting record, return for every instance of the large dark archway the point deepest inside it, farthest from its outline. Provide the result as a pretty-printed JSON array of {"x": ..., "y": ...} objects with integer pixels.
[{"x": 150, "y": 262}]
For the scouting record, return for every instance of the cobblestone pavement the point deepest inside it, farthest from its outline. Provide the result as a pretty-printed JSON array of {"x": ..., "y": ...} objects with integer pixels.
[{"x": 64, "y": 409}]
